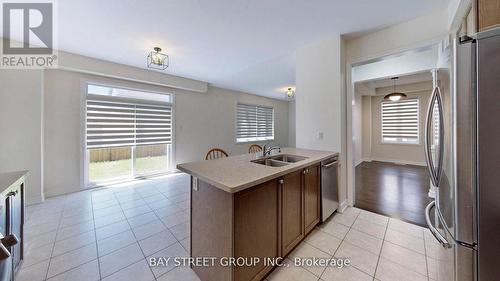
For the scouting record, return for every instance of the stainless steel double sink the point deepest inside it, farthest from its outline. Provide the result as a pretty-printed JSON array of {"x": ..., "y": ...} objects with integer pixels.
[{"x": 279, "y": 160}]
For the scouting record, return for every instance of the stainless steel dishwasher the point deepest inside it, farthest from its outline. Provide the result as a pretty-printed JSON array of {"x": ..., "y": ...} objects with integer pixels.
[{"x": 329, "y": 187}]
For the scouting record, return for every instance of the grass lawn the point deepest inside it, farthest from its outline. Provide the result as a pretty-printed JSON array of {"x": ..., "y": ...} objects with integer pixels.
[{"x": 102, "y": 171}]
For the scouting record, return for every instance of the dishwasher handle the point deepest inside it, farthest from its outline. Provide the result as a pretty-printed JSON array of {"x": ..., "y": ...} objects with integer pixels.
[{"x": 331, "y": 164}]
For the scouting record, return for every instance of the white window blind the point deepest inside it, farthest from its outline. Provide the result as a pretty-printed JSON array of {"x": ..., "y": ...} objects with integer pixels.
[
  {"x": 254, "y": 123},
  {"x": 112, "y": 123},
  {"x": 400, "y": 121}
]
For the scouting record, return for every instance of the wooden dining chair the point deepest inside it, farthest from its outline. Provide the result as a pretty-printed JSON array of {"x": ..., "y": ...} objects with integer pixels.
[
  {"x": 215, "y": 153},
  {"x": 254, "y": 148}
]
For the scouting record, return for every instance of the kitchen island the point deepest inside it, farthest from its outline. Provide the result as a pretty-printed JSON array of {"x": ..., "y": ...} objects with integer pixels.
[{"x": 252, "y": 210}]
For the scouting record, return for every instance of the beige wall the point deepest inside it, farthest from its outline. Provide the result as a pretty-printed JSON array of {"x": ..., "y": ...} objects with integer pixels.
[
  {"x": 21, "y": 127},
  {"x": 202, "y": 120},
  {"x": 374, "y": 149}
]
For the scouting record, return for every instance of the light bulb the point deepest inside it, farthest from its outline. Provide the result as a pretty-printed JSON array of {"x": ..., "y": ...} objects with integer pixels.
[
  {"x": 157, "y": 59},
  {"x": 395, "y": 97}
]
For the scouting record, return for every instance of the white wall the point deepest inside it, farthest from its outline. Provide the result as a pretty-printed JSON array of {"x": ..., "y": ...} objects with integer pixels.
[
  {"x": 21, "y": 126},
  {"x": 318, "y": 96},
  {"x": 423, "y": 31},
  {"x": 457, "y": 11},
  {"x": 291, "y": 124},
  {"x": 357, "y": 128},
  {"x": 366, "y": 130},
  {"x": 407, "y": 63},
  {"x": 201, "y": 121},
  {"x": 319, "y": 100}
]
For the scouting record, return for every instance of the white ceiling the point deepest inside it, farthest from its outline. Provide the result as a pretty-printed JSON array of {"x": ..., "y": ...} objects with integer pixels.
[{"x": 246, "y": 45}]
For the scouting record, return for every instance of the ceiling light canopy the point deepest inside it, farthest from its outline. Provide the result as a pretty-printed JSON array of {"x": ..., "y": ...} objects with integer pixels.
[
  {"x": 395, "y": 96},
  {"x": 157, "y": 60}
]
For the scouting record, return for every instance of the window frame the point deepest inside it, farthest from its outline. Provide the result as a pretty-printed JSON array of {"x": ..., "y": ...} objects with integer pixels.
[
  {"x": 125, "y": 85},
  {"x": 399, "y": 141},
  {"x": 256, "y": 139}
]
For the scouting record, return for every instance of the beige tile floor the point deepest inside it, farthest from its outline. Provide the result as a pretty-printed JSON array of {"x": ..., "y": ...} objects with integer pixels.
[{"x": 109, "y": 234}]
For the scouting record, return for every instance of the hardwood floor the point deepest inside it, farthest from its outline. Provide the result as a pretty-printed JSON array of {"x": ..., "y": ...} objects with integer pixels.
[{"x": 398, "y": 191}]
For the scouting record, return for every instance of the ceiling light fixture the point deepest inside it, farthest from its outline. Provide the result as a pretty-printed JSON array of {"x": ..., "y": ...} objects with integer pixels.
[
  {"x": 395, "y": 96},
  {"x": 157, "y": 60},
  {"x": 290, "y": 93}
]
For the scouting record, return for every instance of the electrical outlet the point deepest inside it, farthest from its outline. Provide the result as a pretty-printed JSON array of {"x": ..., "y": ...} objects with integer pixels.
[{"x": 321, "y": 135}]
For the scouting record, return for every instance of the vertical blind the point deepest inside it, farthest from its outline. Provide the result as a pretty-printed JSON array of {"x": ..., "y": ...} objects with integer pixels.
[
  {"x": 115, "y": 123},
  {"x": 254, "y": 123},
  {"x": 400, "y": 121}
]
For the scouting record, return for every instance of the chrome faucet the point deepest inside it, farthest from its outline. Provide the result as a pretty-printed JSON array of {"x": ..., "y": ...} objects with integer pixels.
[{"x": 266, "y": 150}]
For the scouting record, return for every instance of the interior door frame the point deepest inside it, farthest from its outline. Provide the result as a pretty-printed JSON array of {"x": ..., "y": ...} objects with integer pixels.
[{"x": 350, "y": 96}]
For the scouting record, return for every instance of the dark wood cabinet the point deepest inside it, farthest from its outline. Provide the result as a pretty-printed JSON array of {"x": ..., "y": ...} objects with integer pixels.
[
  {"x": 488, "y": 14},
  {"x": 311, "y": 197},
  {"x": 11, "y": 223},
  {"x": 265, "y": 221},
  {"x": 256, "y": 228},
  {"x": 300, "y": 206},
  {"x": 292, "y": 211}
]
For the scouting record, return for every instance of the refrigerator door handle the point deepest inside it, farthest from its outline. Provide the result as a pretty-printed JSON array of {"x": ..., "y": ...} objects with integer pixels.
[
  {"x": 433, "y": 230},
  {"x": 428, "y": 156},
  {"x": 439, "y": 170}
]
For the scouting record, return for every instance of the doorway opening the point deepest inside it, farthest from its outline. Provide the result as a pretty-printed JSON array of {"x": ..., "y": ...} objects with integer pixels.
[{"x": 389, "y": 171}]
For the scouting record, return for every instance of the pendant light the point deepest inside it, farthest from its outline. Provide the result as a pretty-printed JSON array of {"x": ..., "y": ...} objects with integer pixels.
[{"x": 395, "y": 96}]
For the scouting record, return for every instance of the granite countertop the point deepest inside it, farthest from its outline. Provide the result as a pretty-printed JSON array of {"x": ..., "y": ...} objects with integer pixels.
[
  {"x": 7, "y": 179},
  {"x": 236, "y": 173}
]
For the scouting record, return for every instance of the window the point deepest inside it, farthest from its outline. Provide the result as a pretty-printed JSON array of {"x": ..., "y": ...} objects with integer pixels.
[
  {"x": 400, "y": 121},
  {"x": 128, "y": 133},
  {"x": 254, "y": 123}
]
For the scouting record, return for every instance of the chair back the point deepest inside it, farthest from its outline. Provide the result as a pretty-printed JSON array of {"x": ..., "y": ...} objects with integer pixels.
[
  {"x": 215, "y": 153},
  {"x": 254, "y": 148}
]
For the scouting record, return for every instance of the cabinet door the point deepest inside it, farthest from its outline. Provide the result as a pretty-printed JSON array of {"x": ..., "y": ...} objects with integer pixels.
[
  {"x": 488, "y": 14},
  {"x": 311, "y": 197},
  {"x": 256, "y": 228},
  {"x": 16, "y": 223},
  {"x": 292, "y": 211}
]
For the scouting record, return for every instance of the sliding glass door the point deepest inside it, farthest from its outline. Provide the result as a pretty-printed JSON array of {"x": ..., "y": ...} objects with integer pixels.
[
  {"x": 128, "y": 134},
  {"x": 151, "y": 159}
]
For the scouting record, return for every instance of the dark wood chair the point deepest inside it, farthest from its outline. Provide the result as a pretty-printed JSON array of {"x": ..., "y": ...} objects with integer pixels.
[
  {"x": 254, "y": 148},
  {"x": 215, "y": 153}
]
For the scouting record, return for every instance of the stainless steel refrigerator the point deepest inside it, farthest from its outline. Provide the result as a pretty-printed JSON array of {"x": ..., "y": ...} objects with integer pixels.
[{"x": 462, "y": 144}]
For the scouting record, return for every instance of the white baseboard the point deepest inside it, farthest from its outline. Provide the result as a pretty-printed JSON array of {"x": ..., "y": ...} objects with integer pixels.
[{"x": 396, "y": 161}]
